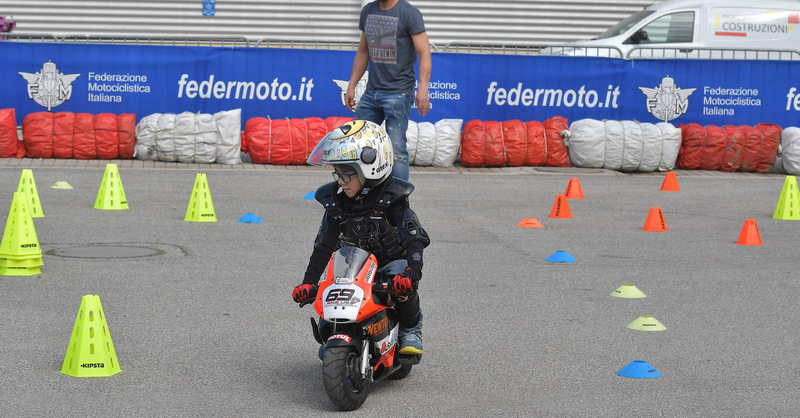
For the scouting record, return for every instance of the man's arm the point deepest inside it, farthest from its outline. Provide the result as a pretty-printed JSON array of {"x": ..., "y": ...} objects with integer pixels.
[
  {"x": 421, "y": 45},
  {"x": 360, "y": 63}
]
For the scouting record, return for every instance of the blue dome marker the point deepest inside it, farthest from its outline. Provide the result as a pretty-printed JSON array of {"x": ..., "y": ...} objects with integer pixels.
[
  {"x": 250, "y": 218},
  {"x": 309, "y": 196},
  {"x": 561, "y": 257},
  {"x": 639, "y": 369}
]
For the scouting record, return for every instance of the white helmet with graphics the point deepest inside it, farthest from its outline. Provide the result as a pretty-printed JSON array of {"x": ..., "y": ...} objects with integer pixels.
[{"x": 360, "y": 144}]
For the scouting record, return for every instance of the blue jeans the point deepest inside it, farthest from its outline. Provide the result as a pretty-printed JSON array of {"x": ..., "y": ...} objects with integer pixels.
[{"x": 395, "y": 109}]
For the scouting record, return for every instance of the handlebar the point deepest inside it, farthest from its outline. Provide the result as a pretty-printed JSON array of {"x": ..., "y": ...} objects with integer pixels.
[
  {"x": 384, "y": 287},
  {"x": 312, "y": 295}
]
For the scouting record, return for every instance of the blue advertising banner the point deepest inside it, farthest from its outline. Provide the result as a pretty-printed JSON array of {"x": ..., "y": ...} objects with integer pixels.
[{"x": 298, "y": 83}]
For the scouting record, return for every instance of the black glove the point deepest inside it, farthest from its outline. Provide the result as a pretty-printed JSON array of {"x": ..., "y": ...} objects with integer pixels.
[
  {"x": 406, "y": 282},
  {"x": 302, "y": 293}
]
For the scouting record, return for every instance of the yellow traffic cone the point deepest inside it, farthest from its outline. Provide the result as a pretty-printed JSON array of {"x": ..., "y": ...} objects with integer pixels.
[
  {"x": 90, "y": 352},
  {"x": 789, "y": 201},
  {"x": 27, "y": 186},
  {"x": 201, "y": 208},
  {"x": 20, "y": 253},
  {"x": 111, "y": 195}
]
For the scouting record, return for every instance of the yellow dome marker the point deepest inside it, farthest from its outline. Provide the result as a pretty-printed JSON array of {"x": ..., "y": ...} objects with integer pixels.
[
  {"x": 646, "y": 323},
  {"x": 61, "y": 185},
  {"x": 628, "y": 291}
]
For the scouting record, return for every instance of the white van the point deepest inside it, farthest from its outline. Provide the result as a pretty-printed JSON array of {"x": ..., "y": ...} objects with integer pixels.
[{"x": 739, "y": 29}]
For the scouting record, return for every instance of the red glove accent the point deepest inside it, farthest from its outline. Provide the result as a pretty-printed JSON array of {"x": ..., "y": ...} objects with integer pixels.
[
  {"x": 406, "y": 282},
  {"x": 302, "y": 293}
]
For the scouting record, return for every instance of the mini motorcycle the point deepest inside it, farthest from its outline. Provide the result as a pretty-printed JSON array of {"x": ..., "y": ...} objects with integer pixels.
[{"x": 358, "y": 328}]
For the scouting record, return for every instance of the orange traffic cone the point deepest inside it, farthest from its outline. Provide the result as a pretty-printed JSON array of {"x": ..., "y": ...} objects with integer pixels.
[
  {"x": 655, "y": 221},
  {"x": 560, "y": 208},
  {"x": 574, "y": 189},
  {"x": 530, "y": 223},
  {"x": 670, "y": 183},
  {"x": 749, "y": 234}
]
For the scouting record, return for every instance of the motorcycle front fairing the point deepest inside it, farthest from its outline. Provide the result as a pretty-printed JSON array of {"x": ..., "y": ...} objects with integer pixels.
[{"x": 345, "y": 289}]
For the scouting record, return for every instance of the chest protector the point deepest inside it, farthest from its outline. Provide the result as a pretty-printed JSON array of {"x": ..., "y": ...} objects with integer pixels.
[{"x": 369, "y": 227}]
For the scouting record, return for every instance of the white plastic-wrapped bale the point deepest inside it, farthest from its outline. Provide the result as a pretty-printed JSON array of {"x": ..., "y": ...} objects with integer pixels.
[
  {"x": 426, "y": 144},
  {"x": 183, "y": 137},
  {"x": 670, "y": 145},
  {"x": 229, "y": 126},
  {"x": 587, "y": 143},
  {"x": 206, "y": 139},
  {"x": 146, "y": 138},
  {"x": 623, "y": 145},
  {"x": 448, "y": 142},
  {"x": 190, "y": 138},
  {"x": 433, "y": 144},
  {"x": 165, "y": 139},
  {"x": 788, "y": 160}
]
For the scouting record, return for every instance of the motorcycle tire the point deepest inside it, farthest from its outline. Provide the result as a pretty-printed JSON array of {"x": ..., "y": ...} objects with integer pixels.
[
  {"x": 401, "y": 373},
  {"x": 340, "y": 375}
]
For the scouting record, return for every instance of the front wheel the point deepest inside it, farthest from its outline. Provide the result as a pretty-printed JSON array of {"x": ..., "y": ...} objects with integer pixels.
[
  {"x": 344, "y": 384},
  {"x": 401, "y": 373}
]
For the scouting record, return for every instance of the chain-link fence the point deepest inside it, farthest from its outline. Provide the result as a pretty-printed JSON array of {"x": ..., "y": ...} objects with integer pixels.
[{"x": 648, "y": 52}]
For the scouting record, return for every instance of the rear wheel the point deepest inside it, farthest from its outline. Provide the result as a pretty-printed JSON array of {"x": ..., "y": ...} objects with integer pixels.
[{"x": 343, "y": 382}]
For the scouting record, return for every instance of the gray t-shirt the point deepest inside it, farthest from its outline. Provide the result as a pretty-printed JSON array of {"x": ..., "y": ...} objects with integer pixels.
[{"x": 391, "y": 51}]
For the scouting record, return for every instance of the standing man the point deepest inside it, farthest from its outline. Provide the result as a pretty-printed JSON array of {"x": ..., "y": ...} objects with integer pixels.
[{"x": 392, "y": 36}]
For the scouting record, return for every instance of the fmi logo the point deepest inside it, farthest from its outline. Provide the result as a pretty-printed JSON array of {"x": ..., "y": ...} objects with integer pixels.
[
  {"x": 361, "y": 86},
  {"x": 48, "y": 87},
  {"x": 667, "y": 101}
]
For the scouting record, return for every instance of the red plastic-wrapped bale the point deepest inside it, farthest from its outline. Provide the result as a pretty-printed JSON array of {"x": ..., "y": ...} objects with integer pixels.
[
  {"x": 298, "y": 141},
  {"x": 316, "y": 129},
  {"x": 557, "y": 151},
  {"x": 772, "y": 137},
  {"x": 713, "y": 150},
  {"x": 515, "y": 138},
  {"x": 10, "y": 146},
  {"x": 37, "y": 133},
  {"x": 753, "y": 142},
  {"x": 280, "y": 152},
  {"x": 256, "y": 139},
  {"x": 106, "y": 135},
  {"x": 733, "y": 149},
  {"x": 63, "y": 134},
  {"x": 333, "y": 122},
  {"x": 693, "y": 136},
  {"x": 472, "y": 154},
  {"x": 536, "y": 153},
  {"x": 85, "y": 142},
  {"x": 126, "y": 125},
  {"x": 493, "y": 144}
]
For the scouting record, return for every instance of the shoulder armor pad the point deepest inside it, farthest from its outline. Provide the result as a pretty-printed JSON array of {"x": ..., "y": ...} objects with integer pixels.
[
  {"x": 326, "y": 195},
  {"x": 400, "y": 189}
]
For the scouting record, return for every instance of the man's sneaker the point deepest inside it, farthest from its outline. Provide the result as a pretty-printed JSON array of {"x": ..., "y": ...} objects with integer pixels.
[{"x": 411, "y": 338}]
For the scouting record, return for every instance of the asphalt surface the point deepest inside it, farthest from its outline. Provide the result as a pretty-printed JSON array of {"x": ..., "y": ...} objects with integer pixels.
[{"x": 206, "y": 326}]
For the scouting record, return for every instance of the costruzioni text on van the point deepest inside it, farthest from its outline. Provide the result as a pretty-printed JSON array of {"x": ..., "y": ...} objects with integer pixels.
[{"x": 754, "y": 27}]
